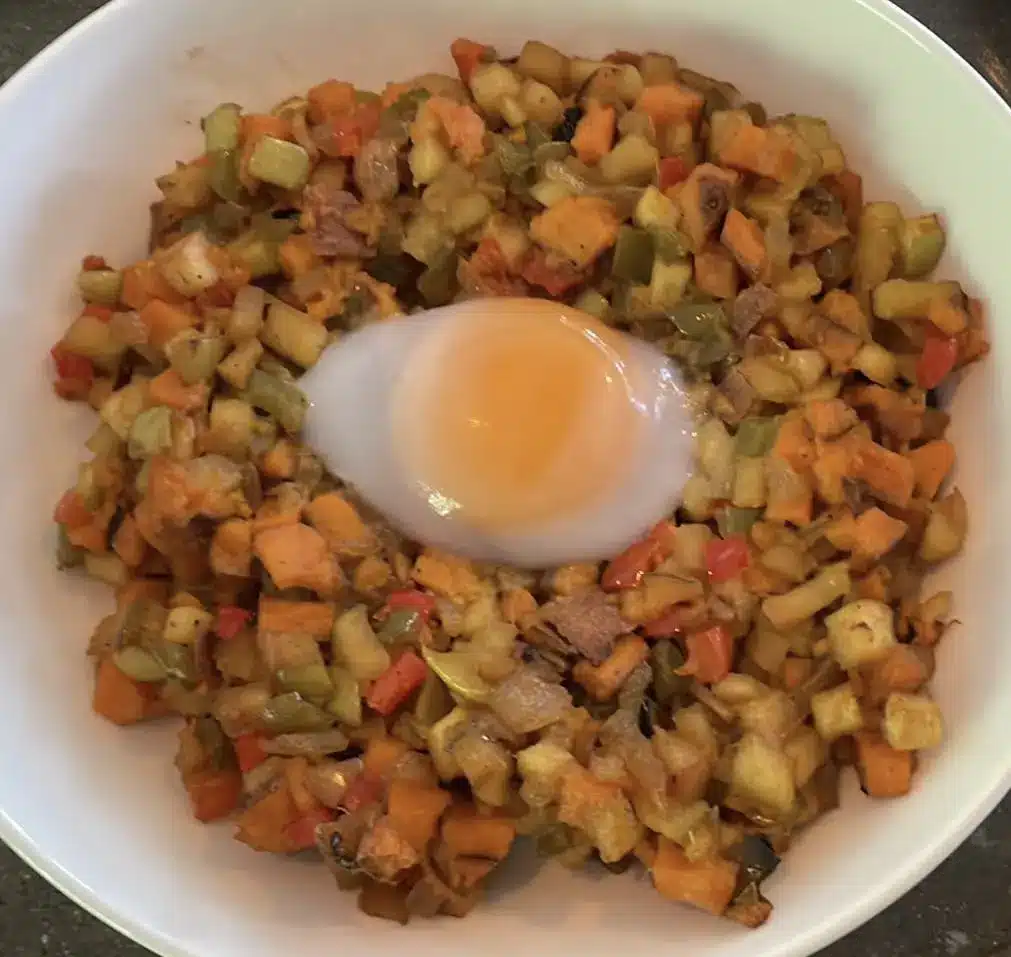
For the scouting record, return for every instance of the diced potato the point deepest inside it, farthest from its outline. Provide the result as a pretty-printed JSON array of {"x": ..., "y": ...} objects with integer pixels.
[
  {"x": 427, "y": 160},
  {"x": 861, "y": 633},
  {"x": 655, "y": 594},
  {"x": 488, "y": 767},
  {"x": 542, "y": 767},
  {"x": 807, "y": 751},
  {"x": 763, "y": 775},
  {"x": 837, "y": 712},
  {"x": 714, "y": 449},
  {"x": 946, "y": 528},
  {"x": 187, "y": 266},
  {"x": 294, "y": 334},
  {"x": 545, "y": 64},
  {"x": 633, "y": 161},
  {"x": 491, "y": 83},
  {"x": 541, "y": 103},
  {"x": 656, "y": 211},
  {"x": 912, "y": 722},
  {"x": 238, "y": 365},
  {"x": 785, "y": 611},
  {"x": 769, "y": 716},
  {"x": 602, "y": 812}
]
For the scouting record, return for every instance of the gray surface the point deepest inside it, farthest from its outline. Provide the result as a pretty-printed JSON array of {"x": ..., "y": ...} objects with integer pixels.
[{"x": 962, "y": 910}]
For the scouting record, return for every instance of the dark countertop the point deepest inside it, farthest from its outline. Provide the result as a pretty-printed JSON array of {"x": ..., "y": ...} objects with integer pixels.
[{"x": 962, "y": 910}]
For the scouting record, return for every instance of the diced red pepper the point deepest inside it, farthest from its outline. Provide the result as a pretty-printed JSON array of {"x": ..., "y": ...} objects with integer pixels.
[
  {"x": 362, "y": 791},
  {"x": 726, "y": 558},
  {"x": 938, "y": 358},
  {"x": 93, "y": 263},
  {"x": 710, "y": 655},
  {"x": 71, "y": 512},
  {"x": 409, "y": 599},
  {"x": 250, "y": 751},
  {"x": 301, "y": 833},
  {"x": 664, "y": 534},
  {"x": 628, "y": 569},
  {"x": 69, "y": 365},
  {"x": 673, "y": 170},
  {"x": 214, "y": 794},
  {"x": 395, "y": 685},
  {"x": 231, "y": 620},
  {"x": 102, "y": 313},
  {"x": 467, "y": 55},
  {"x": 555, "y": 278},
  {"x": 350, "y": 132}
]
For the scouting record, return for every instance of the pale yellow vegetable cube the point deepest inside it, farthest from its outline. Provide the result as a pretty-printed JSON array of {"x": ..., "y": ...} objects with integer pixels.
[
  {"x": 912, "y": 722},
  {"x": 837, "y": 712}
]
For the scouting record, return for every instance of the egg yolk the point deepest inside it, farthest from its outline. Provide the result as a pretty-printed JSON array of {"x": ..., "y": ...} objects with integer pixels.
[{"x": 517, "y": 412}]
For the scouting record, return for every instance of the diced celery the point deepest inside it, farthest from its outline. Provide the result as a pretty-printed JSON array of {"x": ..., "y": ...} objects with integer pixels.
[
  {"x": 195, "y": 355},
  {"x": 151, "y": 433},
  {"x": 122, "y": 407},
  {"x": 514, "y": 158},
  {"x": 549, "y": 192},
  {"x": 221, "y": 128},
  {"x": 310, "y": 681},
  {"x": 101, "y": 286},
  {"x": 280, "y": 163},
  {"x": 756, "y": 436},
  {"x": 283, "y": 400}
]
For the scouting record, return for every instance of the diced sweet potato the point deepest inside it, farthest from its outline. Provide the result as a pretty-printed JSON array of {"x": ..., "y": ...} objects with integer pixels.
[
  {"x": 595, "y": 133},
  {"x": 767, "y": 153},
  {"x": 308, "y": 617},
  {"x": 414, "y": 811},
  {"x": 877, "y": 533},
  {"x": 164, "y": 321},
  {"x": 168, "y": 388},
  {"x": 931, "y": 464},
  {"x": 669, "y": 103},
  {"x": 579, "y": 228},
  {"x": 264, "y": 826},
  {"x": 829, "y": 418},
  {"x": 296, "y": 556},
  {"x": 884, "y": 771},
  {"x": 120, "y": 699},
  {"x": 707, "y": 884},
  {"x": 231, "y": 550},
  {"x": 603, "y": 681},
  {"x": 746, "y": 241},
  {"x": 469, "y": 834},
  {"x": 343, "y": 529}
]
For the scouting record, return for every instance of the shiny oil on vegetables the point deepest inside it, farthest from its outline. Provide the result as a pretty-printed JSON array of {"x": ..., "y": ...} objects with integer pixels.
[{"x": 688, "y": 705}]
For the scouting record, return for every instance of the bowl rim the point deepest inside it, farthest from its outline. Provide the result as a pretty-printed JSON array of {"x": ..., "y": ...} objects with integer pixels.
[{"x": 870, "y": 902}]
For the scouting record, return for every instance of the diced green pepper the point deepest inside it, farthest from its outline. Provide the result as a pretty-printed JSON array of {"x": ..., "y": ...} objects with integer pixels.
[
  {"x": 290, "y": 712},
  {"x": 699, "y": 320},
  {"x": 280, "y": 163},
  {"x": 398, "y": 625},
  {"x": 283, "y": 400},
  {"x": 665, "y": 659},
  {"x": 223, "y": 175},
  {"x": 214, "y": 742},
  {"x": 433, "y": 703},
  {"x": 178, "y": 661},
  {"x": 258, "y": 255},
  {"x": 101, "y": 286},
  {"x": 438, "y": 283},
  {"x": 737, "y": 521},
  {"x": 346, "y": 703},
  {"x": 514, "y": 158},
  {"x": 138, "y": 664},
  {"x": 221, "y": 128},
  {"x": 594, "y": 303},
  {"x": 310, "y": 681},
  {"x": 670, "y": 246},
  {"x": 756, "y": 436},
  {"x": 67, "y": 555},
  {"x": 151, "y": 433},
  {"x": 921, "y": 245},
  {"x": 633, "y": 256}
]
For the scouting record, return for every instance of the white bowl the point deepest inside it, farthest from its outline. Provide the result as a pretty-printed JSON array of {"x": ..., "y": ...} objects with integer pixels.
[{"x": 89, "y": 125}]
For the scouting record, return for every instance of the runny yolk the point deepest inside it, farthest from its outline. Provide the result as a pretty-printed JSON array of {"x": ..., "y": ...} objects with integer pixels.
[{"x": 519, "y": 411}]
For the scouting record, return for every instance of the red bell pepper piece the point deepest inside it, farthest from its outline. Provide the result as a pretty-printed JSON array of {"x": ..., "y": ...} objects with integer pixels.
[
  {"x": 673, "y": 170},
  {"x": 250, "y": 751},
  {"x": 409, "y": 599},
  {"x": 710, "y": 655},
  {"x": 936, "y": 361},
  {"x": 231, "y": 620},
  {"x": 395, "y": 685},
  {"x": 726, "y": 558},
  {"x": 301, "y": 833}
]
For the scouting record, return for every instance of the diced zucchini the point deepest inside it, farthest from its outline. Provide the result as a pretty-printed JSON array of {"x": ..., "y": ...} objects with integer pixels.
[
  {"x": 656, "y": 211},
  {"x": 123, "y": 406},
  {"x": 762, "y": 775},
  {"x": 458, "y": 671},
  {"x": 246, "y": 319},
  {"x": 150, "y": 433},
  {"x": 468, "y": 212},
  {"x": 195, "y": 355},
  {"x": 258, "y": 254},
  {"x": 545, "y": 64},
  {"x": 290, "y": 712},
  {"x": 428, "y": 159},
  {"x": 912, "y": 722},
  {"x": 877, "y": 246},
  {"x": 837, "y": 712},
  {"x": 425, "y": 237},
  {"x": 906, "y": 299},
  {"x": 356, "y": 647},
  {"x": 491, "y": 83},
  {"x": 221, "y": 128},
  {"x": 280, "y": 163},
  {"x": 921, "y": 245},
  {"x": 293, "y": 334},
  {"x": 277, "y": 397},
  {"x": 101, "y": 286},
  {"x": 861, "y": 633},
  {"x": 749, "y": 483},
  {"x": 187, "y": 267},
  {"x": 548, "y": 192},
  {"x": 756, "y": 436},
  {"x": 669, "y": 282},
  {"x": 238, "y": 365},
  {"x": 657, "y": 69},
  {"x": 633, "y": 161}
]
